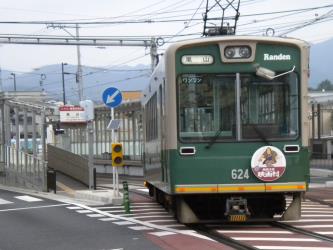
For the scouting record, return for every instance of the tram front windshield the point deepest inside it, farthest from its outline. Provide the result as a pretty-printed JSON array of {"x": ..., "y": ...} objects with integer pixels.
[{"x": 207, "y": 105}]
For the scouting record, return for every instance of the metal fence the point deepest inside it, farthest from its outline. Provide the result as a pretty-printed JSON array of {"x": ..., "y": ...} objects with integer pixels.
[
  {"x": 75, "y": 137},
  {"x": 23, "y": 144},
  {"x": 321, "y": 135},
  {"x": 24, "y": 170}
]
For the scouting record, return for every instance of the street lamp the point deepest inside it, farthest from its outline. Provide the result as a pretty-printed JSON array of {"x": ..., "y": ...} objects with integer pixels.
[{"x": 14, "y": 77}]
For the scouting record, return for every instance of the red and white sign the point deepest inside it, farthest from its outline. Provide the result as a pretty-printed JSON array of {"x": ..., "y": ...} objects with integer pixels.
[
  {"x": 72, "y": 114},
  {"x": 268, "y": 163}
]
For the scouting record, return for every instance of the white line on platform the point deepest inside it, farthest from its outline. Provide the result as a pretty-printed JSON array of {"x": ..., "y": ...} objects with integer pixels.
[
  {"x": 275, "y": 239},
  {"x": 162, "y": 233},
  {"x": 27, "y": 198},
  {"x": 26, "y": 208},
  {"x": 3, "y": 202}
]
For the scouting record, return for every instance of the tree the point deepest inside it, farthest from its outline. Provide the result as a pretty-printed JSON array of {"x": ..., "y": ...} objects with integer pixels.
[{"x": 325, "y": 85}]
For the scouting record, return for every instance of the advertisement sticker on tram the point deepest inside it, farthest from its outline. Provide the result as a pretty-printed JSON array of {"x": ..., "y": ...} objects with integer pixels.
[{"x": 268, "y": 163}]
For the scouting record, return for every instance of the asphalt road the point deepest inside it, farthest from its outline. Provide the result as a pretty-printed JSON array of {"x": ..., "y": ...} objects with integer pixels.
[{"x": 30, "y": 222}]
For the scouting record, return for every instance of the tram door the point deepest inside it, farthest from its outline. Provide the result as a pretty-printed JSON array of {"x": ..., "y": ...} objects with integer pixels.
[{"x": 161, "y": 99}]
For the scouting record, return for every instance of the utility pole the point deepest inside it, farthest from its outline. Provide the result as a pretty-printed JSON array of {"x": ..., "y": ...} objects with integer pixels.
[
  {"x": 79, "y": 66},
  {"x": 63, "y": 83},
  {"x": 1, "y": 87},
  {"x": 14, "y": 78}
]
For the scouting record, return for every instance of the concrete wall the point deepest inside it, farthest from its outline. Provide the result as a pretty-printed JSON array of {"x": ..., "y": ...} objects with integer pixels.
[{"x": 68, "y": 163}]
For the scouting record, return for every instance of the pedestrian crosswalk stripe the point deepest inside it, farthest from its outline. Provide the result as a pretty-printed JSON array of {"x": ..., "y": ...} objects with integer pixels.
[
  {"x": 108, "y": 219},
  {"x": 122, "y": 223},
  {"x": 75, "y": 207},
  {"x": 139, "y": 228},
  {"x": 95, "y": 215},
  {"x": 27, "y": 198},
  {"x": 84, "y": 211},
  {"x": 3, "y": 202},
  {"x": 162, "y": 233}
]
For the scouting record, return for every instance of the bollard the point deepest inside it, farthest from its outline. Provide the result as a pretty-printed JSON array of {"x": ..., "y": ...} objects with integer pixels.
[
  {"x": 95, "y": 180},
  {"x": 126, "y": 198},
  {"x": 51, "y": 180}
]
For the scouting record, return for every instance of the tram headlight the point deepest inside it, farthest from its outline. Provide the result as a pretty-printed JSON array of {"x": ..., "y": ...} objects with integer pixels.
[
  {"x": 245, "y": 52},
  {"x": 229, "y": 52},
  {"x": 237, "y": 52}
]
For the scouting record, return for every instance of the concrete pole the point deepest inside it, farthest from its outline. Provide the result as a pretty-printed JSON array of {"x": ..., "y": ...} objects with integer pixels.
[
  {"x": 63, "y": 83},
  {"x": 91, "y": 153},
  {"x": 79, "y": 66}
]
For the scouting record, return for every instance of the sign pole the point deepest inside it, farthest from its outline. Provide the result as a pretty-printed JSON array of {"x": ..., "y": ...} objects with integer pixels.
[
  {"x": 112, "y": 98},
  {"x": 113, "y": 167}
]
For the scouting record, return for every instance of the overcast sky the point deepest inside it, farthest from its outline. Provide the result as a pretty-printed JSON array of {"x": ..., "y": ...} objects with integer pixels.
[{"x": 24, "y": 58}]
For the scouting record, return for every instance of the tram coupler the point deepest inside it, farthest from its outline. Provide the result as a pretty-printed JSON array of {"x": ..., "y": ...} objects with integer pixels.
[{"x": 236, "y": 209}]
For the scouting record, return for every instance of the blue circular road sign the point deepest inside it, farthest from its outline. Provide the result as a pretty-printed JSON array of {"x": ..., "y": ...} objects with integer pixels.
[{"x": 112, "y": 97}]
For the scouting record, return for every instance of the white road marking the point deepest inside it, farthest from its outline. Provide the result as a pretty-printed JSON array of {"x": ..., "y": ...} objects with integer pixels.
[
  {"x": 85, "y": 211},
  {"x": 317, "y": 212},
  {"x": 135, "y": 214},
  {"x": 139, "y": 228},
  {"x": 309, "y": 220},
  {"x": 157, "y": 221},
  {"x": 317, "y": 215},
  {"x": 291, "y": 248},
  {"x": 146, "y": 190},
  {"x": 162, "y": 233},
  {"x": 315, "y": 226},
  {"x": 275, "y": 239},
  {"x": 316, "y": 208},
  {"x": 3, "y": 202},
  {"x": 152, "y": 216},
  {"x": 255, "y": 231},
  {"x": 323, "y": 232},
  {"x": 75, "y": 207},
  {"x": 134, "y": 221},
  {"x": 27, "y": 198},
  {"x": 26, "y": 208},
  {"x": 95, "y": 215},
  {"x": 135, "y": 210},
  {"x": 108, "y": 219},
  {"x": 122, "y": 223}
]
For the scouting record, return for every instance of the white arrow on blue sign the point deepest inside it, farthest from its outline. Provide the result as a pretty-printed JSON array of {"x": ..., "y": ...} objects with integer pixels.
[{"x": 112, "y": 97}]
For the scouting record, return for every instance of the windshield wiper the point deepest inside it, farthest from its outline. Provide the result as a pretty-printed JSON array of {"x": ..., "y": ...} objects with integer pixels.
[
  {"x": 260, "y": 134},
  {"x": 214, "y": 138}
]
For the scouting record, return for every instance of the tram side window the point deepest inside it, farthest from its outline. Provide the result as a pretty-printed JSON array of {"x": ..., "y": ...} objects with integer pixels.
[{"x": 151, "y": 118}]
